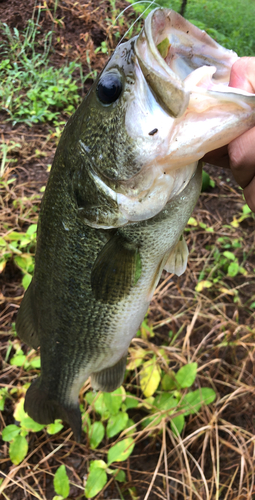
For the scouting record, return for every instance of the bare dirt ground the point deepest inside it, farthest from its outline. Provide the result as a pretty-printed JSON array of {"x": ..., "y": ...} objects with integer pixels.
[{"x": 214, "y": 326}]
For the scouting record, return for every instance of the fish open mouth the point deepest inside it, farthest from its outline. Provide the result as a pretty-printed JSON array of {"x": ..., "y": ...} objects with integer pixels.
[
  {"x": 169, "y": 49},
  {"x": 181, "y": 93}
]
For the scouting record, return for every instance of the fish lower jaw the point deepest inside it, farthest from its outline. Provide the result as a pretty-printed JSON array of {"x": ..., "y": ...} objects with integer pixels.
[{"x": 165, "y": 187}]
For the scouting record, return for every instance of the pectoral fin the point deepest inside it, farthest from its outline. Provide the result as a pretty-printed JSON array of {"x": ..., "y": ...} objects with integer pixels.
[
  {"x": 178, "y": 258},
  {"x": 111, "y": 378},
  {"x": 116, "y": 269},
  {"x": 26, "y": 323},
  {"x": 44, "y": 410}
]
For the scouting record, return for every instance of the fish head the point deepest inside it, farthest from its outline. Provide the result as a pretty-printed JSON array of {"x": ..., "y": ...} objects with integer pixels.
[{"x": 159, "y": 105}]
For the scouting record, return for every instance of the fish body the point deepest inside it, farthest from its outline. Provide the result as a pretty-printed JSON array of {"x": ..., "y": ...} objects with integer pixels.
[{"x": 124, "y": 182}]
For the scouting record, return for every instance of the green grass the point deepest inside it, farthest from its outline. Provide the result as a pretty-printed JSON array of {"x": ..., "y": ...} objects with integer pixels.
[
  {"x": 233, "y": 21},
  {"x": 31, "y": 90}
]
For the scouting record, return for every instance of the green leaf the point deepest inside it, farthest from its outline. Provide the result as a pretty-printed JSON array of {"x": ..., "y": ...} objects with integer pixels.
[
  {"x": 193, "y": 401},
  {"x": 137, "y": 356},
  {"x": 203, "y": 284},
  {"x": 246, "y": 209},
  {"x": 186, "y": 375},
  {"x": 130, "y": 423},
  {"x": 18, "y": 359},
  {"x": 30, "y": 425},
  {"x": 24, "y": 261},
  {"x": 97, "y": 464},
  {"x": 61, "y": 482},
  {"x": 192, "y": 221},
  {"x": 113, "y": 400},
  {"x": 86, "y": 422},
  {"x": 121, "y": 476},
  {"x": 4, "y": 392},
  {"x": 10, "y": 432},
  {"x": 96, "y": 434},
  {"x": 234, "y": 222},
  {"x": 26, "y": 280},
  {"x": 229, "y": 255},
  {"x": 90, "y": 396},
  {"x": 208, "y": 395},
  {"x": 131, "y": 401},
  {"x": 120, "y": 451},
  {"x": 177, "y": 424},
  {"x": 233, "y": 269},
  {"x": 163, "y": 47},
  {"x": 116, "y": 424},
  {"x": 55, "y": 427},
  {"x": 146, "y": 331},
  {"x": 150, "y": 377},
  {"x": 165, "y": 401},
  {"x": 32, "y": 229},
  {"x": 168, "y": 382},
  {"x": 15, "y": 236},
  {"x": 18, "y": 449},
  {"x": 205, "y": 181},
  {"x": 97, "y": 479},
  {"x": 23, "y": 431},
  {"x": 98, "y": 403},
  {"x": 35, "y": 362},
  {"x": 19, "y": 412}
]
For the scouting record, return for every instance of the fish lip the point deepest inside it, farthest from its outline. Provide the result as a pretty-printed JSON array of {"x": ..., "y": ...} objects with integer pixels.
[
  {"x": 199, "y": 53},
  {"x": 166, "y": 85}
]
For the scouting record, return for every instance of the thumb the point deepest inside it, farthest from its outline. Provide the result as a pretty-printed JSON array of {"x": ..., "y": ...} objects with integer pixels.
[{"x": 242, "y": 75}]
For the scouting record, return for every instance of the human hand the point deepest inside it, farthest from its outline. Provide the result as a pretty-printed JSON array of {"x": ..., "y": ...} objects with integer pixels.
[{"x": 239, "y": 155}]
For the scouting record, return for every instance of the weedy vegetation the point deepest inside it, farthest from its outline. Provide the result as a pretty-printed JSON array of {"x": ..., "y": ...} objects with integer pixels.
[
  {"x": 229, "y": 23},
  {"x": 182, "y": 425},
  {"x": 31, "y": 90}
]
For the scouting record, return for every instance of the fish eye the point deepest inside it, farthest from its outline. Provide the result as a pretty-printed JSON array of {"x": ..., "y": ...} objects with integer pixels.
[{"x": 109, "y": 88}]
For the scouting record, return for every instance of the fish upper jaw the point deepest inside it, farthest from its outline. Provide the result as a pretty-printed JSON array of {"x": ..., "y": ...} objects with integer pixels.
[
  {"x": 164, "y": 82},
  {"x": 185, "y": 49}
]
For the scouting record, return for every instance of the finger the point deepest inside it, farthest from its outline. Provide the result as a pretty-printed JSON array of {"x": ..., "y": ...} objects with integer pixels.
[
  {"x": 242, "y": 74},
  {"x": 249, "y": 194},
  {"x": 242, "y": 162},
  {"x": 218, "y": 157}
]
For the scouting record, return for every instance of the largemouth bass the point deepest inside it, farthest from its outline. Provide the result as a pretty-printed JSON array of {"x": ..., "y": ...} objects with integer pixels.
[{"x": 124, "y": 182}]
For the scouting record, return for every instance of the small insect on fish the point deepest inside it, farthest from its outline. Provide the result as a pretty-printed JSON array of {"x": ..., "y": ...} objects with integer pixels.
[{"x": 125, "y": 179}]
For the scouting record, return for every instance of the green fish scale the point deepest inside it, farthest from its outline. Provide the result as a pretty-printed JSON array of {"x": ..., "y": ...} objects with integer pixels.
[
  {"x": 76, "y": 331},
  {"x": 66, "y": 251},
  {"x": 93, "y": 125}
]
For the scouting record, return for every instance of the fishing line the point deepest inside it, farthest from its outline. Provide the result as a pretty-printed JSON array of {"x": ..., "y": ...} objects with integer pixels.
[{"x": 131, "y": 5}]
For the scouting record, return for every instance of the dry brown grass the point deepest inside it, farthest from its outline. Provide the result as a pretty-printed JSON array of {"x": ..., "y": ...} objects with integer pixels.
[{"x": 213, "y": 459}]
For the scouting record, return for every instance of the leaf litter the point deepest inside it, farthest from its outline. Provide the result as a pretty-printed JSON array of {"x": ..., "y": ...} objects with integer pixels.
[{"x": 211, "y": 326}]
